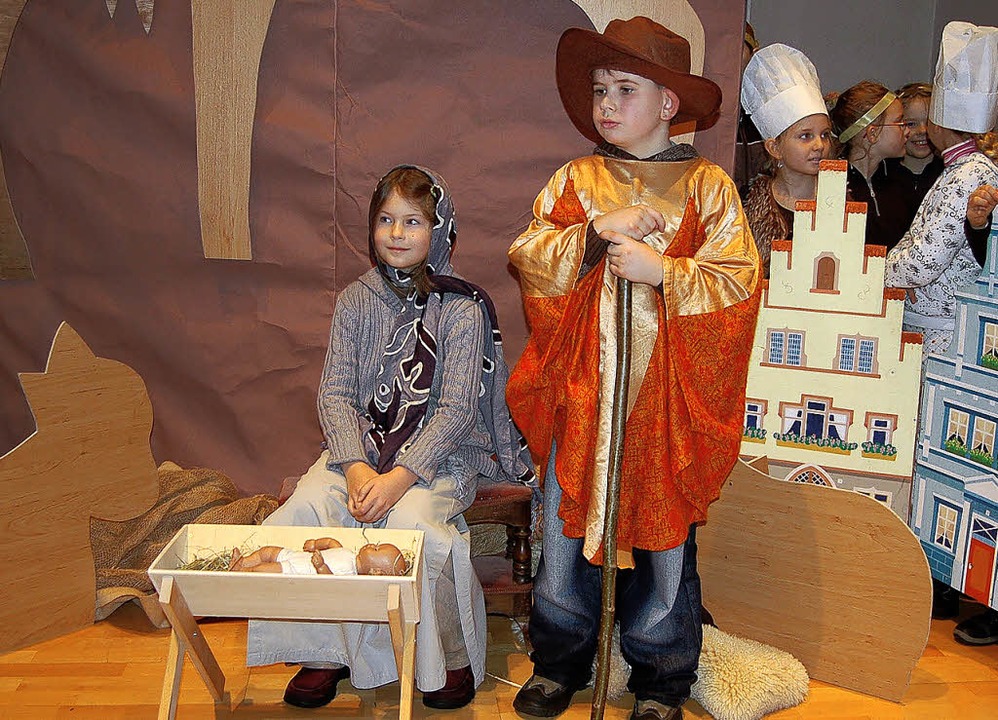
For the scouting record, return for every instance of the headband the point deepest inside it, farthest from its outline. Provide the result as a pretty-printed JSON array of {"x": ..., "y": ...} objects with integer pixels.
[{"x": 850, "y": 132}]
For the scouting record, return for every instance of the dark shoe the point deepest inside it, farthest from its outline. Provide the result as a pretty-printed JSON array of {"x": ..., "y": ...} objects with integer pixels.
[
  {"x": 314, "y": 687},
  {"x": 651, "y": 710},
  {"x": 458, "y": 691},
  {"x": 945, "y": 601},
  {"x": 541, "y": 697},
  {"x": 981, "y": 629}
]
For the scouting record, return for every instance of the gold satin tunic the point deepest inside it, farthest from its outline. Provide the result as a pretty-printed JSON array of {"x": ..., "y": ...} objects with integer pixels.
[{"x": 722, "y": 272}]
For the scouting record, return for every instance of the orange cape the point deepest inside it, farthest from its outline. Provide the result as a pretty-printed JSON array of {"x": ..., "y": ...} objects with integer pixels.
[{"x": 684, "y": 430}]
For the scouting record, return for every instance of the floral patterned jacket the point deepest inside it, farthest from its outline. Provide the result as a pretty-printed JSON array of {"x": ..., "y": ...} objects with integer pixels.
[{"x": 934, "y": 257}]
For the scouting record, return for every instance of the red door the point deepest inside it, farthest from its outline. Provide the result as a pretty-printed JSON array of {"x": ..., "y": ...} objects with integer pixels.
[{"x": 980, "y": 569}]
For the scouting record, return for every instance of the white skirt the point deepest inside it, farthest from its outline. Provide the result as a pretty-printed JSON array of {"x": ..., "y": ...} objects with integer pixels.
[{"x": 366, "y": 648}]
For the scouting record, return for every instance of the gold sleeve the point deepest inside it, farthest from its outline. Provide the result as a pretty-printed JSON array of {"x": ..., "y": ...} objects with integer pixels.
[
  {"x": 725, "y": 270},
  {"x": 549, "y": 253}
]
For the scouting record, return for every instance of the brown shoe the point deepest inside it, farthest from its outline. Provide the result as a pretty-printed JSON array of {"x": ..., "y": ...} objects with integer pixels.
[
  {"x": 314, "y": 687},
  {"x": 458, "y": 691}
]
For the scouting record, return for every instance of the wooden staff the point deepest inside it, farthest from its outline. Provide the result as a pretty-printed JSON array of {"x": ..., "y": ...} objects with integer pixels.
[{"x": 618, "y": 419}]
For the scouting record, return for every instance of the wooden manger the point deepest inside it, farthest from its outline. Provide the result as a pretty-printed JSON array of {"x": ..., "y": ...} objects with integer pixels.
[{"x": 186, "y": 594}]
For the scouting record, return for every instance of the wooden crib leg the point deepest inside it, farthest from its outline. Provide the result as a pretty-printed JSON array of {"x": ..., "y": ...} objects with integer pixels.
[
  {"x": 404, "y": 644},
  {"x": 190, "y": 641},
  {"x": 171, "y": 682}
]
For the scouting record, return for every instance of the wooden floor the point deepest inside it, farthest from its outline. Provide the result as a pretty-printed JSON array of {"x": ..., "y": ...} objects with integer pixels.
[{"x": 114, "y": 670}]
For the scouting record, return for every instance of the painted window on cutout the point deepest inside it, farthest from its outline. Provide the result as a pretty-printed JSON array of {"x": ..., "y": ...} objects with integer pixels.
[
  {"x": 785, "y": 347},
  {"x": 816, "y": 417},
  {"x": 825, "y": 273},
  {"x": 755, "y": 411},
  {"x": 881, "y": 496},
  {"x": 880, "y": 429},
  {"x": 989, "y": 344},
  {"x": 857, "y": 354},
  {"x": 957, "y": 425},
  {"x": 982, "y": 442},
  {"x": 947, "y": 518}
]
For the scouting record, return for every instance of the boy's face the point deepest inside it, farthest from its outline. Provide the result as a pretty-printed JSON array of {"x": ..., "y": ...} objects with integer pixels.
[
  {"x": 632, "y": 112},
  {"x": 916, "y": 116}
]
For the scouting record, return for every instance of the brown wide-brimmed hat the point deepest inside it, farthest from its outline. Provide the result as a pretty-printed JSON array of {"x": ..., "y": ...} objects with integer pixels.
[{"x": 640, "y": 46}]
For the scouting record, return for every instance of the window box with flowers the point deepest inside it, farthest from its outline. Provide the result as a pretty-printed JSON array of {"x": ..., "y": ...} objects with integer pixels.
[
  {"x": 980, "y": 456},
  {"x": 990, "y": 360},
  {"x": 813, "y": 442},
  {"x": 956, "y": 446},
  {"x": 754, "y": 434},
  {"x": 879, "y": 451}
]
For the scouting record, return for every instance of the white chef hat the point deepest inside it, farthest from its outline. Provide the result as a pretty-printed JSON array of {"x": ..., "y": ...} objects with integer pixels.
[
  {"x": 780, "y": 86},
  {"x": 965, "y": 87}
]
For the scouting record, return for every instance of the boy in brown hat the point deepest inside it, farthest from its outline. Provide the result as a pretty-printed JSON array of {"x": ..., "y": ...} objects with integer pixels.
[{"x": 657, "y": 214}]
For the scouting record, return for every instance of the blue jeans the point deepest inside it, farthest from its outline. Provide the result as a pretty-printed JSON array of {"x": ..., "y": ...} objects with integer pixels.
[{"x": 657, "y": 606}]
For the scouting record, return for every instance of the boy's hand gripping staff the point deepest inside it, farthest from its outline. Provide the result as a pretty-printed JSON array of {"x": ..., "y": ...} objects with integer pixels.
[{"x": 618, "y": 419}]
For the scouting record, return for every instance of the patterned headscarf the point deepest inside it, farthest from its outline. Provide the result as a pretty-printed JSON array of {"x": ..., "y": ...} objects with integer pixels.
[{"x": 396, "y": 411}]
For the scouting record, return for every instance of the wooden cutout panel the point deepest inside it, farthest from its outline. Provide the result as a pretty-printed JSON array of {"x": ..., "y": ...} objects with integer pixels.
[
  {"x": 15, "y": 264},
  {"x": 145, "y": 9},
  {"x": 228, "y": 42},
  {"x": 677, "y": 15},
  {"x": 830, "y": 576},
  {"x": 88, "y": 457}
]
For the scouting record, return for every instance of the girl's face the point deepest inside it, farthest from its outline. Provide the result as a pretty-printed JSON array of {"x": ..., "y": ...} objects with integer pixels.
[
  {"x": 401, "y": 233},
  {"x": 916, "y": 115},
  {"x": 888, "y": 139},
  {"x": 803, "y": 145}
]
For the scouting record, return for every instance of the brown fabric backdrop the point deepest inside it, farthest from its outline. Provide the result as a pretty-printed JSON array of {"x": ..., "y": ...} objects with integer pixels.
[{"x": 97, "y": 134}]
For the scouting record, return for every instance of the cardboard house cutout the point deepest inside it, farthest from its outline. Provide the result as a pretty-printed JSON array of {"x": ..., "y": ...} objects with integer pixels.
[
  {"x": 832, "y": 395},
  {"x": 955, "y": 489}
]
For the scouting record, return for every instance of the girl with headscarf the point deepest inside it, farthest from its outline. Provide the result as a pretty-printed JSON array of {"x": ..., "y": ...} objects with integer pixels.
[{"x": 412, "y": 406}]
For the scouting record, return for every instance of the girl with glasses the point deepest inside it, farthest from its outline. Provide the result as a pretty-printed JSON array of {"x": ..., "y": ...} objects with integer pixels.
[{"x": 869, "y": 122}]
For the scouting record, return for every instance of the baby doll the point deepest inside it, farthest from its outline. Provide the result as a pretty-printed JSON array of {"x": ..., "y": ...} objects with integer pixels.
[{"x": 323, "y": 556}]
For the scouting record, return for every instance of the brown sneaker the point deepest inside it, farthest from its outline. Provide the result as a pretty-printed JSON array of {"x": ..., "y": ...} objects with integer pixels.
[
  {"x": 458, "y": 691},
  {"x": 314, "y": 687}
]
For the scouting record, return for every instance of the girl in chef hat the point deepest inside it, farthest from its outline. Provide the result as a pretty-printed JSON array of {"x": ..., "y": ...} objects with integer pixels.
[{"x": 781, "y": 92}]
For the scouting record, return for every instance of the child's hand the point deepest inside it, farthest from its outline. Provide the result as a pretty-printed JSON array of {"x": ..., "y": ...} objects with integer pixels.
[
  {"x": 980, "y": 204},
  {"x": 632, "y": 259},
  {"x": 635, "y": 222},
  {"x": 380, "y": 494},
  {"x": 358, "y": 475}
]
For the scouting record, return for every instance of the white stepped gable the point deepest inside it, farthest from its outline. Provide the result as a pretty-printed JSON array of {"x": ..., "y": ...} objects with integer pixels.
[{"x": 833, "y": 384}]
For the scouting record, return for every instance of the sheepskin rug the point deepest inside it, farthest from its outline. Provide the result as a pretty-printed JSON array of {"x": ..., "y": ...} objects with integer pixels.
[{"x": 738, "y": 679}]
